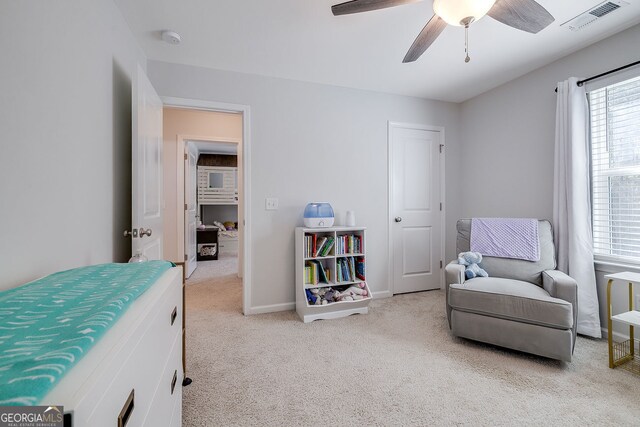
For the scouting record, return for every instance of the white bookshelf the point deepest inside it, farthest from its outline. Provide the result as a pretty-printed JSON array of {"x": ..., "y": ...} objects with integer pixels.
[{"x": 330, "y": 261}]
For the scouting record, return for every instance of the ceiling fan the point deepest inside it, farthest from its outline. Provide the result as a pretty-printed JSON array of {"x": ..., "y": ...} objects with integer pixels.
[{"x": 525, "y": 15}]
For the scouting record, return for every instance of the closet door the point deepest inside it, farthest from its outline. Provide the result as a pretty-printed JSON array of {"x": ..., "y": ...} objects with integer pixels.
[{"x": 416, "y": 208}]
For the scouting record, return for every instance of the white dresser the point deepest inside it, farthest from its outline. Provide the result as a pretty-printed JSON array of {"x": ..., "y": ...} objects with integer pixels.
[{"x": 133, "y": 375}]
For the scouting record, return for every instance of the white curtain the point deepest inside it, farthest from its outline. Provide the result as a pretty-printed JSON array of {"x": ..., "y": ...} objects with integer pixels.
[{"x": 572, "y": 201}]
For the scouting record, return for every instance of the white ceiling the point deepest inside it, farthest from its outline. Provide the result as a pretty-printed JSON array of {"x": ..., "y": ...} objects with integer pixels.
[{"x": 302, "y": 40}]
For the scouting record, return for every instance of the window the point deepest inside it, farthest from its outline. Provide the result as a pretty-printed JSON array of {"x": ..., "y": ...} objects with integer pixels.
[{"x": 615, "y": 155}]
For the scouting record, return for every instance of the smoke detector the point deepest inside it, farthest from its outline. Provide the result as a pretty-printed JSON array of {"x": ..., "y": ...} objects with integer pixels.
[
  {"x": 595, "y": 13},
  {"x": 171, "y": 37}
]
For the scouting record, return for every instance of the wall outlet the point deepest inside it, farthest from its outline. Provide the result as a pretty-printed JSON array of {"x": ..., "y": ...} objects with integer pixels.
[{"x": 271, "y": 204}]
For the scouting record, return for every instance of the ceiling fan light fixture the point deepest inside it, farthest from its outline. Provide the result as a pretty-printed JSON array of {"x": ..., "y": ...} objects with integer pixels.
[{"x": 461, "y": 12}]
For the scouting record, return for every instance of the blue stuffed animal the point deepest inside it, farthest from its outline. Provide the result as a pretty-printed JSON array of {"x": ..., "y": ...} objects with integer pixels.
[{"x": 471, "y": 260}]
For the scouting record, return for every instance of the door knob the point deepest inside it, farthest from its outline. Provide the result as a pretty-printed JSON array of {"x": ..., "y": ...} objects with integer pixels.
[
  {"x": 398, "y": 219},
  {"x": 144, "y": 232},
  {"x": 132, "y": 233}
]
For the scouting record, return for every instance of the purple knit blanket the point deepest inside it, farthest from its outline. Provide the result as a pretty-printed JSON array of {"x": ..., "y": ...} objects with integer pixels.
[{"x": 506, "y": 238}]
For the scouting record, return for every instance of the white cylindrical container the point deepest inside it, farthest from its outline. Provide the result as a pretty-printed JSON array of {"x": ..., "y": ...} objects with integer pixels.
[{"x": 351, "y": 219}]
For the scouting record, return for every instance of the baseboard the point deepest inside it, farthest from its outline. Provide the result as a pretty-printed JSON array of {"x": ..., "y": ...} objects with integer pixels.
[
  {"x": 617, "y": 336},
  {"x": 381, "y": 294},
  {"x": 287, "y": 306},
  {"x": 273, "y": 308}
]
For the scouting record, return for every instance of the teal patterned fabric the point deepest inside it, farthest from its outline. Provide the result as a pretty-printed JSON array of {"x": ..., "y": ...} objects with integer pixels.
[{"x": 46, "y": 326}]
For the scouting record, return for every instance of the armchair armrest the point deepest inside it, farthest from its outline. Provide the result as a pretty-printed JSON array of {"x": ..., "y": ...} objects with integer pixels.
[
  {"x": 453, "y": 273},
  {"x": 561, "y": 285}
]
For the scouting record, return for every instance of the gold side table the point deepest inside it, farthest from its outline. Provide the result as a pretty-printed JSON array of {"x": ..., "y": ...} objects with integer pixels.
[{"x": 623, "y": 353}]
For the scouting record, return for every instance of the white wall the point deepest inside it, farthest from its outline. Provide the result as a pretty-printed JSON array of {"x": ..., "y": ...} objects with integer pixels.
[
  {"x": 508, "y": 136},
  {"x": 310, "y": 142},
  {"x": 65, "y": 116}
]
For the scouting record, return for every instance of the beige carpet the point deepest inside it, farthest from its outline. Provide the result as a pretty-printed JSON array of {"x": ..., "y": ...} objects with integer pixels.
[{"x": 398, "y": 365}]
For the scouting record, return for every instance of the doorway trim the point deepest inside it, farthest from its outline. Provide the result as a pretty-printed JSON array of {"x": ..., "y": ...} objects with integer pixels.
[
  {"x": 391, "y": 125},
  {"x": 245, "y": 110}
]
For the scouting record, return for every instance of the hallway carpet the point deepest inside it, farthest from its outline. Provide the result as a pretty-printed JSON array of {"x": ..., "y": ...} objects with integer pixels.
[{"x": 398, "y": 365}]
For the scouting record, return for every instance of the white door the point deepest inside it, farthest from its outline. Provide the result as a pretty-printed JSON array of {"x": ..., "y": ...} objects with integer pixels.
[
  {"x": 416, "y": 225},
  {"x": 190, "y": 207},
  {"x": 146, "y": 191}
]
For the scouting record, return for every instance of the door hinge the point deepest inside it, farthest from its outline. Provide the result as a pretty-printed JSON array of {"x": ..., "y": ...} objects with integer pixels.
[
  {"x": 441, "y": 147},
  {"x": 187, "y": 207},
  {"x": 441, "y": 206},
  {"x": 185, "y": 258},
  {"x": 440, "y": 264},
  {"x": 186, "y": 157}
]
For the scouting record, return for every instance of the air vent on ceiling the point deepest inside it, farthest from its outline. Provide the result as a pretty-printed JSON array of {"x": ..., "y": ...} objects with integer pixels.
[{"x": 593, "y": 14}]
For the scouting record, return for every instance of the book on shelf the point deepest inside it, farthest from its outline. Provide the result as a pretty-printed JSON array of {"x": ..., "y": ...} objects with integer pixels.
[
  {"x": 344, "y": 275},
  {"x": 349, "y": 244},
  {"x": 315, "y": 241},
  {"x": 313, "y": 275},
  {"x": 352, "y": 268},
  {"x": 349, "y": 269},
  {"x": 316, "y": 273},
  {"x": 319, "y": 247},
  {"x": 328, "y": 244},
  {"x": 308, "y": 245},
  {"x": 360, "y": 269},
  {"x": 322, "y": 275},
  {"x": 310, "y": 274}
]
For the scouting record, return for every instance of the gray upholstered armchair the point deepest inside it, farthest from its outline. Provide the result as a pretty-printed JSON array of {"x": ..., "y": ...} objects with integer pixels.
[{"x": 523, "y": 305}]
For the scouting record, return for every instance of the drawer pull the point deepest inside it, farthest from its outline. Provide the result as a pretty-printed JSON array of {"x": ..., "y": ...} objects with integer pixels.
[
  {"x": 174, "y": 314},
  {"x": 127, "y": 410},
  {"x": 173, "y": 381}
]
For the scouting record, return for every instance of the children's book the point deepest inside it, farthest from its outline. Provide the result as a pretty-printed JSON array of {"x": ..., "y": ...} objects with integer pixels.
[
  {"x": 328, "y": 245},
  {"x": 321, "y": 242}
]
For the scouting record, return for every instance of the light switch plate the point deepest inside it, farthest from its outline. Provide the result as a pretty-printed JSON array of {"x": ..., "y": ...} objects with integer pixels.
[{"x": 271, "y": 203}]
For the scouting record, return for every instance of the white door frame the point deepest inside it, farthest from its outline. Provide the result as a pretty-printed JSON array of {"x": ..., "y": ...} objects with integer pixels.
[
  {"x": 245, "y": 110},
  {"x": 390, "y": 216}
]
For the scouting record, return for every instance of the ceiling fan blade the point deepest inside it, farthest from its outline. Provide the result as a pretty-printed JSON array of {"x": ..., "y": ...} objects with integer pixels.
[
  {"x": 525, "y": 15},
  {"x": 427, "y": 36},
  {"x": 357, "y": 6}
]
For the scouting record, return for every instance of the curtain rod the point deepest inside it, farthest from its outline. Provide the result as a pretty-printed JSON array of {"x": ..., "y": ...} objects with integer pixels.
[{"x": 606, "y": 73}]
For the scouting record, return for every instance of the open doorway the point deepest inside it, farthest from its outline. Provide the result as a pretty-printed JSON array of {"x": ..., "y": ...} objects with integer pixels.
[
  {"x": 212, "y": 207},
  {"x": 205, "y": 196}
]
